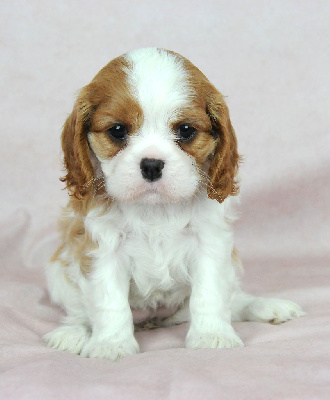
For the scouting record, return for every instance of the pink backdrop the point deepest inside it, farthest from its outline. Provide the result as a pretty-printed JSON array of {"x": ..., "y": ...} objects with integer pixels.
[{"x": 272, "y": 61}]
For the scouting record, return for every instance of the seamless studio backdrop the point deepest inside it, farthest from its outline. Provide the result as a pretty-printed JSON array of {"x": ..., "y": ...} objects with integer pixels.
[{"x": 271, "y": 60}]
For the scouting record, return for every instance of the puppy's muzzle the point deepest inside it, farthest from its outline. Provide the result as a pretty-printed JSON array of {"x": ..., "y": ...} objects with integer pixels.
[{"x": 151, "y": 169}]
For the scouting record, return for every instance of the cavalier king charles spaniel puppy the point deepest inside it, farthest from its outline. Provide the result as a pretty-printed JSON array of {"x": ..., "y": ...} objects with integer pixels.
[{"x": 151, "y": 160}]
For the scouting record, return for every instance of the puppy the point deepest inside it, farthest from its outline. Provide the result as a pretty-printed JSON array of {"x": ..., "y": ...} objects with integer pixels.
[{"x": 151, "y": 160}]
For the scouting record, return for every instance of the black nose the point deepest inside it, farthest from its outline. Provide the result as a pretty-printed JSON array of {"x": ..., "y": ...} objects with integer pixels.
[{"x": 151, "y": 169}]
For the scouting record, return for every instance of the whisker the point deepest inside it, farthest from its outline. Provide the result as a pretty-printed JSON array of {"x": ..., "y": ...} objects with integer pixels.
[
  {"x": 98, "y": 184},
  {"x": 87, "y": 184},
  {"x": 208, "y": 183}
]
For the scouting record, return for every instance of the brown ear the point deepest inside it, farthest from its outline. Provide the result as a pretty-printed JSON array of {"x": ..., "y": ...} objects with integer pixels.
[
  {"x": 76, "y": 151},
  {"x": 224, "y": 165}
]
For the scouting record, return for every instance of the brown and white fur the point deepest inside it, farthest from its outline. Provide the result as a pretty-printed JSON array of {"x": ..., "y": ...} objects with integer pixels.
[{"x": 151, "y": 159}]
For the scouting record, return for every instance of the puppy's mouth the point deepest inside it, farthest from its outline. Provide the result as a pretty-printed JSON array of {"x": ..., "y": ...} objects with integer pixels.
[{"x": 151, "y": 193}]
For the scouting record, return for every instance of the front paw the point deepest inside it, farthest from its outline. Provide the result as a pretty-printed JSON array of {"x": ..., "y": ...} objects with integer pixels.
[
  {"x": 68, "y": 337},
  {"x": 222, "y": 339},
  {"x": 110, "y": 349}
]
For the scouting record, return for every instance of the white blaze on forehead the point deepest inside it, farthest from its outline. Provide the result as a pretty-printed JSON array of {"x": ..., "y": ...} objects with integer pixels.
[{"x": 159, "y": 82}]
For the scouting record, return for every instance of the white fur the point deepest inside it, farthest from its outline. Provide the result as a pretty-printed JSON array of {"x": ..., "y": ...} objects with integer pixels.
[
  {"x": 159, "y": 83},
  {"x": 162, "y": 243}
]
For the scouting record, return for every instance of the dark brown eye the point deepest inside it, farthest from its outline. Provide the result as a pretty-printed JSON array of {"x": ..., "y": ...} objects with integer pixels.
[
  {"x": 118, "y": 132},
  {"x": 186, "y": 132}
]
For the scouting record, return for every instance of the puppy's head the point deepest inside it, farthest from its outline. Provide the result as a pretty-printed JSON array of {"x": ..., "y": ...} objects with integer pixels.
[{"x": 150, "y": 128}]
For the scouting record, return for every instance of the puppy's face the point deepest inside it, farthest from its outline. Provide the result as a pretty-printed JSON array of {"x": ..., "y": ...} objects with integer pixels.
[{"x": 152, "y": 129}]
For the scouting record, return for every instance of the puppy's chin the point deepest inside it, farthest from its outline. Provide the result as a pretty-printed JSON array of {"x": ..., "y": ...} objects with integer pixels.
[{"x": 152, "y": 198}]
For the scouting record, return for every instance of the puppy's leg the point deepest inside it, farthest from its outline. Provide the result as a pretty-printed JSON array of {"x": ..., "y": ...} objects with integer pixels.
[
  {"x": 212, "y": 279},
  {"x": 261, "y": 309},
  {"x": 75, "y": 332},
  {"x": 109, "y": 312}
]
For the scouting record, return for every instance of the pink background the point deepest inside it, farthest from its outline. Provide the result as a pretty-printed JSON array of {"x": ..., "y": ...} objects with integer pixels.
[{"x": 272, "y": 60}]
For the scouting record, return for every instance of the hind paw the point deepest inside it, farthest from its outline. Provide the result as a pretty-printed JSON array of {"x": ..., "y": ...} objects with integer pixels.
[{"x": 274, "y": 311}]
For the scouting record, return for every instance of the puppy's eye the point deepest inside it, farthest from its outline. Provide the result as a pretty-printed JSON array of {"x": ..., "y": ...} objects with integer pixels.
[
  {"x": 186, "y": 132},
  {"x": 118, "y": 132}
]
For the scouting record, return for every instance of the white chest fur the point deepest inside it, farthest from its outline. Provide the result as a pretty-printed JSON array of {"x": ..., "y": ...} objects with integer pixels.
[{"x": 158, "y": 245}]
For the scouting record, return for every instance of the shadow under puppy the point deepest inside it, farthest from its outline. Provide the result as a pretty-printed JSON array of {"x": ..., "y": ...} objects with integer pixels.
[{"x": 151, "y": 159}]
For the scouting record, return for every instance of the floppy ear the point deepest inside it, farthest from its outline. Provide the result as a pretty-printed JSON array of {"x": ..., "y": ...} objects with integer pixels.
[
  {"x": 76, "y": 151},
  {"x": 224, "y": 165}
]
